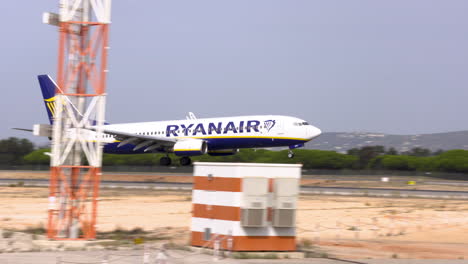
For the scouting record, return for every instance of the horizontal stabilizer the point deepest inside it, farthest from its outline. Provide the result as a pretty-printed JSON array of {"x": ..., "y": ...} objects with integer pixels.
[{"x": 22, "y": 129}]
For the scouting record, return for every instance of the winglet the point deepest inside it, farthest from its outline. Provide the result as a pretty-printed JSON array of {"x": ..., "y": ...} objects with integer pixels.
[{"x": 191, "y": 116}]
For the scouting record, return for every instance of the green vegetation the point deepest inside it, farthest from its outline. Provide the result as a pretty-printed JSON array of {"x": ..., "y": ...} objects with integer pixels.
[
  {"x": 449, "y": 161},
  {"x": 37, "y": 157},
  {"x": 245, "y": 255},
  {"x": 34, "y": 230},
  {"x": 18, "y": 184},
  {"x": 123, "y": 234},
  {"x": 14, "y": 151}
]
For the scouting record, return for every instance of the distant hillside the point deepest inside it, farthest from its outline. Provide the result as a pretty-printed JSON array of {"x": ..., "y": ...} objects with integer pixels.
[{"x": 343, "y": 141}]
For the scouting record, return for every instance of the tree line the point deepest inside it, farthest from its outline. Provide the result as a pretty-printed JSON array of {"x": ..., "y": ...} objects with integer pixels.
[{"x": 14, "y": 151}]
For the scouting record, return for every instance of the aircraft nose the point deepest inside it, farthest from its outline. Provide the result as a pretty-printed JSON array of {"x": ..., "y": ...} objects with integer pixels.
[{"x": 313, "y": 132}]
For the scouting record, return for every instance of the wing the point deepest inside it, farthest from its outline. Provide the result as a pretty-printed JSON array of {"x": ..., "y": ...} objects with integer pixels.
[
  {"x": 140, "y": 141},
  {"x": 22, "y": 129}
]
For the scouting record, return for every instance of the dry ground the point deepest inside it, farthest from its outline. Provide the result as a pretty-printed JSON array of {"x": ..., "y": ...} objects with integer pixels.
[
  {"x": 353, "y": 227},
  {"x": 142, "y": 177}
]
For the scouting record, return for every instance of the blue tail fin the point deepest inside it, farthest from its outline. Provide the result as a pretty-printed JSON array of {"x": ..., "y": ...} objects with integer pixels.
[{"x": 48, "y": 88}]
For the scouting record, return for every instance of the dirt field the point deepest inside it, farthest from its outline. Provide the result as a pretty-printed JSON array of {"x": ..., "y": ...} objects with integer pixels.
[{"x": 349, "y": 227}]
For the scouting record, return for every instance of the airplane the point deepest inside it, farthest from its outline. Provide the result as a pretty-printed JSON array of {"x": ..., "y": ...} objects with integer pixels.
[{"x": 191, "y": 137}]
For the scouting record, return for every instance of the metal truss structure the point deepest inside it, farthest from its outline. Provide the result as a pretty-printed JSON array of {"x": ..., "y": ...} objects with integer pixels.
[{"x": 80, "y": 101}]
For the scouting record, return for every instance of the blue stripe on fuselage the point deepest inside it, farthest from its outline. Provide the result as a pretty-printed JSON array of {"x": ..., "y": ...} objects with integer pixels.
[
  {"x": 231, "y": 143},
  {"x": 217, "y": 143}
]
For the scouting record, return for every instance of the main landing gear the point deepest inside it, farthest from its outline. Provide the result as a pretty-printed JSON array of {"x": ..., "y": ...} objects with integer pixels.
[
  {"x": 185, "y": 161},
  {"x": 166, "y": 161},
  {"x": 290, "y": 154}
]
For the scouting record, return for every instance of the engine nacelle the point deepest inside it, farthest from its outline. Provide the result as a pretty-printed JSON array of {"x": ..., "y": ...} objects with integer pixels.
[
  {"x": 222, "y": 152},
  {"x": 190, "y": 147}
]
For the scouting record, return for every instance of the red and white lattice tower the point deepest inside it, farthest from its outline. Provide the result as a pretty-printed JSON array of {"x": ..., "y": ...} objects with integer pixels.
[{"x": 80, "y": 102}]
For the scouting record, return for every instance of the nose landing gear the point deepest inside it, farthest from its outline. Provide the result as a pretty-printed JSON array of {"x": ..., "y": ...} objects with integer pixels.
[{"x": 290, "y": 154}]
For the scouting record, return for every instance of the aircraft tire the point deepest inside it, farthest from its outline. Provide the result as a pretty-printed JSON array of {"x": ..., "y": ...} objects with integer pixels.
[
  {"x": 165, "y": 161},
  {"x": 185, "y": 161}
]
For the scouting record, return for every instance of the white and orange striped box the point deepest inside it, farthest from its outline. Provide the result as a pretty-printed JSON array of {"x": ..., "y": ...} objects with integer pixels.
[{"x": 223, "y": 191}]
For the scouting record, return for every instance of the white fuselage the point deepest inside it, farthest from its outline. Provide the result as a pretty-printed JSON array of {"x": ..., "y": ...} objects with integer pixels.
[{"x": 225, "y": 132}]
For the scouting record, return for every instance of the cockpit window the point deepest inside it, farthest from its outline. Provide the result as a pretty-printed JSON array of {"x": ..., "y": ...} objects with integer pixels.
[{"x": 300, "y": 124}]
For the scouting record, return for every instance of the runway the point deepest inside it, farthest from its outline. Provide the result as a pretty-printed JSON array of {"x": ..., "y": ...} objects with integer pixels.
[{"x": 373, "y": 192}]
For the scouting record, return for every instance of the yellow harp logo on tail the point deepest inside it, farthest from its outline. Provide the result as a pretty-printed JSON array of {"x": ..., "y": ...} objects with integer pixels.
[{"x": 51, "y": 105}]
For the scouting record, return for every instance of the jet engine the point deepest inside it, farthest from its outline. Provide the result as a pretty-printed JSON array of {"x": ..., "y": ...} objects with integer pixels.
[{"x": 190, "y": 147}]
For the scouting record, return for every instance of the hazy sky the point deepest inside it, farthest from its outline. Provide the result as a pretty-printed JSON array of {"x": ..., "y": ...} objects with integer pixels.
[{"x": 385, "y": 66}]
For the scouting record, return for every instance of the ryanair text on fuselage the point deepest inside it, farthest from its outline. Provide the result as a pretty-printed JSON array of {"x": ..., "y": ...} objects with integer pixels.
[{"x": 217, "y": 128}]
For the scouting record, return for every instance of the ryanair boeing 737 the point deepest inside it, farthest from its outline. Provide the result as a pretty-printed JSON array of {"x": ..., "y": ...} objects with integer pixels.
[{"x": 191, "y": 137}]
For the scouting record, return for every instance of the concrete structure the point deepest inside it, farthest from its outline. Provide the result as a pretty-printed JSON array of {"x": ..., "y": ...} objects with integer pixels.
[{"x": 245, "y": 206}]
